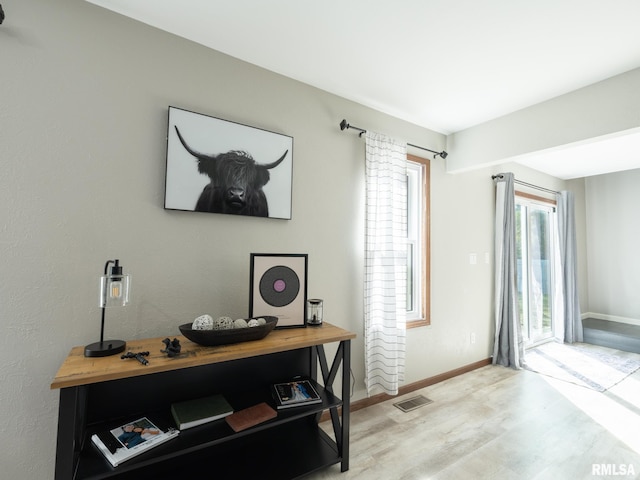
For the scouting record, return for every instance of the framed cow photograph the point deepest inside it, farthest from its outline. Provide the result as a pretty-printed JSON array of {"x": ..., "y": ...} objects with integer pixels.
[{"x": 219, "y": 166}]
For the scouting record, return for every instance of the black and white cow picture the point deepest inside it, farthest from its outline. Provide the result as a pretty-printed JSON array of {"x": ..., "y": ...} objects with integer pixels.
[
  {"x": 224, "y": 167},
  {"x": 236, "y": 182}
]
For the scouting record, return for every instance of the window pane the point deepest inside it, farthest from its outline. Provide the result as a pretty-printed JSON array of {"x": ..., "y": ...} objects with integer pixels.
[
  {"x": 539, "y": 257},
  {"x": 410, "y": 272},
  {"x": 418, "y": 240},
  {"x": 534, "y": 255}
]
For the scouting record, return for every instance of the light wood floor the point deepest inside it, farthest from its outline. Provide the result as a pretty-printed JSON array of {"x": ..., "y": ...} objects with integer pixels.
[{"x": 499, "y": 423}]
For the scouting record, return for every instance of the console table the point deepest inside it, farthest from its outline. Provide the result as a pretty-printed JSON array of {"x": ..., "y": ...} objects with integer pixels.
[{"x": 98, "y": 394}]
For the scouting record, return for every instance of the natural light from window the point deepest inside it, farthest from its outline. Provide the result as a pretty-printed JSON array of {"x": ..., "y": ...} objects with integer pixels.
[
  {"x": 617, "y": 409},
  {"x": 418, "y": 261}
]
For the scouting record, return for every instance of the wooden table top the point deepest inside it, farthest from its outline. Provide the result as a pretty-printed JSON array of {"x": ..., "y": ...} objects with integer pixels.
[{"x": 79, "y": 370}]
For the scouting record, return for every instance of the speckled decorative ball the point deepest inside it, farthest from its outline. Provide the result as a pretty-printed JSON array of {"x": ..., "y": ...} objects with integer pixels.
[
  {"x": 240, "y": 323},
  {"x": 253, "y": 322},
  {"x": 223, "y": 323},
  {"x": 203, "y": 322}
]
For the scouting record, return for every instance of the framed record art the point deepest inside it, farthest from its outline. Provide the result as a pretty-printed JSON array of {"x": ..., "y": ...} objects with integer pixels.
[
  {"x": 219, "y": 166},
  {"x": 279, "y": 288}
]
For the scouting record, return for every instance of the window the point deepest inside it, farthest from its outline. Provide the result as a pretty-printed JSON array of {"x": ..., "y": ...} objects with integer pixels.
[
  {"x": 418, "y": 258},
  {"x": 535, "y": 231}
]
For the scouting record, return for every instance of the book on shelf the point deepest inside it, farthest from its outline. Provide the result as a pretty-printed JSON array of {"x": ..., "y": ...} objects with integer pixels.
[
  {"x": 248, "y": 417},
  {"x": 191, "y": 413},
  {"x": 296, "y": 393},
  {"x": 131, "y": 439}
]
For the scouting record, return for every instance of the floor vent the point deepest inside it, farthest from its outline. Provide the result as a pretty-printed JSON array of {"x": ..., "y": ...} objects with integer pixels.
[{"x": 413, "y": 403}]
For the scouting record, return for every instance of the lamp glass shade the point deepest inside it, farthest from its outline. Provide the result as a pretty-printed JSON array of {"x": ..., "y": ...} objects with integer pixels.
[{"x": 114, "y": 290}]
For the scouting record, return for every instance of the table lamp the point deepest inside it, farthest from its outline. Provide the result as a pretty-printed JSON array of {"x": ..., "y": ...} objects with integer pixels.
[{"x": 114, "y": 292}]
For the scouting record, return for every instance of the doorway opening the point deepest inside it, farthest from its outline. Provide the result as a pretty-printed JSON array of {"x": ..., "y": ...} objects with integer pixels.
[{"x": 535, "y": 233}]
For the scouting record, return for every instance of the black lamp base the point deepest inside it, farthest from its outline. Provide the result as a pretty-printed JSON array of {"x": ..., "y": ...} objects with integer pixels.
[{"x": 104, "y": 349}]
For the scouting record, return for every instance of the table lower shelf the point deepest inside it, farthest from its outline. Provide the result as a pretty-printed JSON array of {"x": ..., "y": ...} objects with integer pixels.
[
  {"x": 287, "y": 447},
  {"x": 287, "y": 451}
]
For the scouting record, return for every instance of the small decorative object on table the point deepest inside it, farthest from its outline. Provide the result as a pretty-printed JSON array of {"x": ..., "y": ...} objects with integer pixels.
[
  {"x": 226, "y": 331},
  {"x": 203, "y": 322},
  {"x": 138, "y": 356},
  {"x": 172, "y": 347},
  {"x": 314, "y": 311}
]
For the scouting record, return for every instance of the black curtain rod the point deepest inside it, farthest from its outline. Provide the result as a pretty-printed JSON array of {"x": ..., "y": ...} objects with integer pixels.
[
  {"x": 344, "y": 125},
  {"x": 530, "y": 185}
]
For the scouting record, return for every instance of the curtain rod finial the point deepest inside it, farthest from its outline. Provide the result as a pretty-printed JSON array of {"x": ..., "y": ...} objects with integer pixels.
[{"x": 343, "y": 124}]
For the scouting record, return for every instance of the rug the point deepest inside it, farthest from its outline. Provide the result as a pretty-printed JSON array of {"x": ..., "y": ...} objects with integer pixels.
[{"x": 591, "y": 366}]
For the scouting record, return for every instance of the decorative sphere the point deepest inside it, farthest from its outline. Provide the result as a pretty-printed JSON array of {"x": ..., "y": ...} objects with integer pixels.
[
  {"x": 240, "y": 323},
  {"x": 203, "y": 322},
  {"x": 261, "y": 321},
  {"x": 223, "y": 323},
  {"x": 253, "y": 322}
]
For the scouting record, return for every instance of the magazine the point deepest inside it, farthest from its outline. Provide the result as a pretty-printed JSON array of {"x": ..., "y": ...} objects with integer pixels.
[
  {"x": 293, "y": 394},
  {"x": 131, "y": 439}
]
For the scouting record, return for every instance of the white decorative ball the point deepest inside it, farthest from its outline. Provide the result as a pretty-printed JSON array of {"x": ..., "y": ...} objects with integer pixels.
[
  {"x": 253, "y": 322},
  {"x": 240, "y": 323},
  {"x": 261, "y": 321},
  {"x": 223, "y": 323},
  {"x": 203, "y": 322}
]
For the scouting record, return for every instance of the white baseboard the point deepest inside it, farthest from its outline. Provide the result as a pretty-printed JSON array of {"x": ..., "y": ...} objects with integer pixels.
[{"x": 611, "y": 318}]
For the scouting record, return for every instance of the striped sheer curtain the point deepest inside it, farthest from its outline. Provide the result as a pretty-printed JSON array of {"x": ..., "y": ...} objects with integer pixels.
[{"x": 385, "y": 283}]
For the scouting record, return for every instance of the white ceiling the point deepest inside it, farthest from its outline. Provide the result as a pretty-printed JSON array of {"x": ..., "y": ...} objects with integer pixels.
[{"x": 449, "y": 64}]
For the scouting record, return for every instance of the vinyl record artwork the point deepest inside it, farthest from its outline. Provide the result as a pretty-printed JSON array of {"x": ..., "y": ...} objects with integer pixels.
[{"x": 279, "y": 288}]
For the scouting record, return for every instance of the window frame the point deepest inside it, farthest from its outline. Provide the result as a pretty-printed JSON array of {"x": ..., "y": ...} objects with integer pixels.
[
  {"x": 423, "y": 317},
  {"x": 528, "y": 201}
]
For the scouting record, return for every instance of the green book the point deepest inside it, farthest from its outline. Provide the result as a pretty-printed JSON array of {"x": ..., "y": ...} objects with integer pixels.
[{"x": 191, "y": 413}]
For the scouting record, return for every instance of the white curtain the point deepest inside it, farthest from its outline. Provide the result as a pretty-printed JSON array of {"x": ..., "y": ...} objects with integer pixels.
[
  {"x": 567, "y": 240},
  {"x": 508, "y": 349},
  {"x": 385, "y": 282}
]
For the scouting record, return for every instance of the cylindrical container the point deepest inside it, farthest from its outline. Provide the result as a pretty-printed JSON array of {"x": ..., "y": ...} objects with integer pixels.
[{"x": 314, "y": 311}]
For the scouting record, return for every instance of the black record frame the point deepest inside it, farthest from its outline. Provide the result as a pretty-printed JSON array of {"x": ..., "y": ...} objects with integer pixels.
[{"x": 279, "y": 287}]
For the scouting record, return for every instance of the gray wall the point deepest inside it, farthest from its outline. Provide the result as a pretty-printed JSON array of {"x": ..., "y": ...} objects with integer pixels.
[
  {"x": 613, "y": 230},
  {"x": 84, "y": 97}
]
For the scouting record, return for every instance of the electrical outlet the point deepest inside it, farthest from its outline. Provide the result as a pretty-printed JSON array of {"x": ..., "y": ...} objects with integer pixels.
[{"x": 472, "y": 338}]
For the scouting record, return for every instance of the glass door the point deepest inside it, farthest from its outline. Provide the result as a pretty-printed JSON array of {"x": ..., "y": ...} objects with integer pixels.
[{"x": 534, "y": 234}]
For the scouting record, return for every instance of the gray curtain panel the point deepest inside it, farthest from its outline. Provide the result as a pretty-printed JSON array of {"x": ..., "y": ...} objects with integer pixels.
[
  {"x": 508, "y": 349},
  {"x": 567, "y": 241}
]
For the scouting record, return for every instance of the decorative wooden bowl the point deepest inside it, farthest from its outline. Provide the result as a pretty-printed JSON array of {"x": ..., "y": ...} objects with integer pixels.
[{"x": 210, "y": 338}]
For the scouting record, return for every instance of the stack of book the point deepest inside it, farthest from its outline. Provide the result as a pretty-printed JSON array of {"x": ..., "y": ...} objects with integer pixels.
[
  {"x": 131, "y": 439},
  {"x": 191, "y": 413},
  {"x": 294, "y": 394}
]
